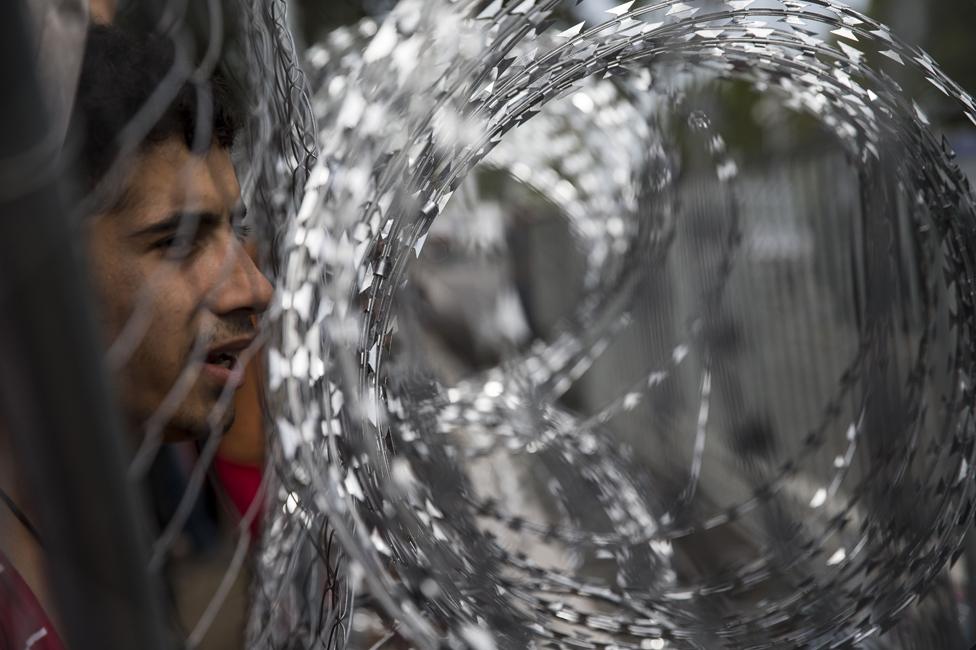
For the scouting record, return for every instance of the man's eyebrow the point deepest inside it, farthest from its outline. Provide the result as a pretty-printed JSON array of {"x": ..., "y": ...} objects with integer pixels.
[{"x": 177, "y": 220}]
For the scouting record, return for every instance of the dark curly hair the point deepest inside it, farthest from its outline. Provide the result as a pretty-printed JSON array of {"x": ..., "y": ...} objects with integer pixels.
[{"x": 120, "y": 74}]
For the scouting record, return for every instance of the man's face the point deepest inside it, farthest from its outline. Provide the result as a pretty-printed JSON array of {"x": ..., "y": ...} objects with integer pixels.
[{"x": 178, "y": 295}]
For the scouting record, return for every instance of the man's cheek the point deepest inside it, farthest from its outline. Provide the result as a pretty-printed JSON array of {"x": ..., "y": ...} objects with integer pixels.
[
  {"x": 174, "y": 332},
  {"x": 113, "y": 295},
  {"x": 176, "y": 303}
]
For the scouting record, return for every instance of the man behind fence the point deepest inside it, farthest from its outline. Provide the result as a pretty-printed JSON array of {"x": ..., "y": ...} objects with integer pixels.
[
  {"x": 177, "y": 295},
  {"x": 176, "y": 291}
]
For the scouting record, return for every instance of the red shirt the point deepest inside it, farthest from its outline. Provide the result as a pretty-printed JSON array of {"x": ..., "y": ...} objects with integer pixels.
[
  {"x": 24, "y": 625},
  {"x": 242, "y": 484}
]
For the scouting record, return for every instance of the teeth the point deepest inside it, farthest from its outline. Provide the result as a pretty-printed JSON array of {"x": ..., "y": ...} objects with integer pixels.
[{"x": 225, "y": 360}]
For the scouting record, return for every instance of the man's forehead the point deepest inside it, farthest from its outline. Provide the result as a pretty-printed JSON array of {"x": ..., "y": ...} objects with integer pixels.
[{"x": 168, "y": 176}]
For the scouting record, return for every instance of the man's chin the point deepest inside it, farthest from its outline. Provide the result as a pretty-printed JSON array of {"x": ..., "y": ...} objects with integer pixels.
[
  {"x": 180, "y": 430},
  {"x": 171, "y": 435}
]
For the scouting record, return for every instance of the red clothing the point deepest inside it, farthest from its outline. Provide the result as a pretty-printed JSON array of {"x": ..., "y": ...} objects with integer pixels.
[
  {"x": 24, "y": 625},
  {"x": 242, "y": 483}
]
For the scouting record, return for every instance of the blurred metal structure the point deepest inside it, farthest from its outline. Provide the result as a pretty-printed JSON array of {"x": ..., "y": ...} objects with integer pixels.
[
  {"x": 795, "y": 484},
  {"x": 54, "y": 397}
]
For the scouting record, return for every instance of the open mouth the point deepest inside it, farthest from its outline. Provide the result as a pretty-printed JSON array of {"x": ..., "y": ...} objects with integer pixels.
[
  {"x": 223, "y": 359},
  {"x": 223, "y": 362}
]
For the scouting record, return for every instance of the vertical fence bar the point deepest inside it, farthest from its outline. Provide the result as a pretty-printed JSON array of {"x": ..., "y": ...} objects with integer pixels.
[{"x": 54, "y": 400}]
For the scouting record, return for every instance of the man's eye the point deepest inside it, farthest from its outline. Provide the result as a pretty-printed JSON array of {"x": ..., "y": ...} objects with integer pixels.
[
  {"x": 177, "y": 246},
  {"x": 243, "y": 231}
]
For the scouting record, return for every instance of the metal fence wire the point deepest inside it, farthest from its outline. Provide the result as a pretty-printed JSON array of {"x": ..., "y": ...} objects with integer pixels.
[
  {"x": 498, "y": 324},
  {"x": 110, "y": 500}
]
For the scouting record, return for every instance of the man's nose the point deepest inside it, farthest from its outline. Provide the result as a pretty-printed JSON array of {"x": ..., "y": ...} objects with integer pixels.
[{"x": 244, "y": 287}]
